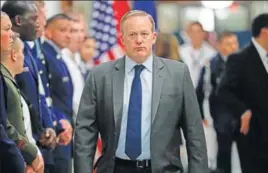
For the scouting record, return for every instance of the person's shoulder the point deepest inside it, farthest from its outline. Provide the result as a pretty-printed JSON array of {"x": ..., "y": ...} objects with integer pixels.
[
  {"x": 173, "y": 65},
  {"x": 105, "y": 67}
]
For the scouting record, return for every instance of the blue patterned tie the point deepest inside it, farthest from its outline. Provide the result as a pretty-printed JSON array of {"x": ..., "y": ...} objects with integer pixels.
[{"x": 133, "y": 137}]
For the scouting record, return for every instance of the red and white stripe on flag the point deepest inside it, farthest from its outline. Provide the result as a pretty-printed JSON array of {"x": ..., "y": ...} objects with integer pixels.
[{"x": 105, "y": 28}]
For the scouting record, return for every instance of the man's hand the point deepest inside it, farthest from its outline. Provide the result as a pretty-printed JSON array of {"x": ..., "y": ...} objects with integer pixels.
[
  {"x": 205, "y": 122},
  {"x": 65, "y": 137},
  {"x": 29, "y": 169},
  {"x": 48, "y": 138},
  {"x": 38, "y": 164},
  {"x": 245, "y": 121}
]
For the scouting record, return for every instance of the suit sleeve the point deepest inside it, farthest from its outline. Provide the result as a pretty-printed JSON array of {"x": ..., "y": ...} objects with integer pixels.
[
  {"x": 86, "y": 133},
  {"x": 229, "y": 86},
  {"x": 200, "y": 92},
  {"x": 28, "y": 150},
  {"x": 193, "y": 129}
]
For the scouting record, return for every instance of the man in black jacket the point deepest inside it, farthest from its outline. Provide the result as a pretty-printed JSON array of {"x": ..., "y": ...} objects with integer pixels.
[
  {"x": 244, "y": 89},
  {"x": 224, "y": 123}
]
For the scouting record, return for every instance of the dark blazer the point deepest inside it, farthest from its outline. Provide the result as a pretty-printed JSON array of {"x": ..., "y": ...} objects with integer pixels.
[
  {"x": 61, "y": 90},
  {"x": 11, "y": 159},
  {"x": 15, "y": 117},
  {"x": 244, "y": 86},
  {"x": 28, "y": 83},
  {"x": 222, "y": 117},
  {"x": 44, "y": 73},
  {"x": 174, "y": 106}
]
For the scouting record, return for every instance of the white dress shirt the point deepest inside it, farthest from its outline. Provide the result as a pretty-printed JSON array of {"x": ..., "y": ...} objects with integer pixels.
[
  {"x": 76, "y": 76},
  {"x": 196, "y": 59},
  {"x": 28, "y": 123},
  {"x": 146, "y": 82},
  {"x": 262, "y": 52}
]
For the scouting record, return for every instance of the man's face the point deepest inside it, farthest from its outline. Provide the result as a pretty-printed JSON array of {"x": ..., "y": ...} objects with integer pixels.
[
  {"x": 196, "y": 34},
  {"x": 30, "y": 24},
  {"x": 87, "y": 49},
  {"x": 6, "y": 34},
  {"x": 20, "y": 57},
  {"x": 138, "y": 37},
  {"x": 42, "y": 20},
  {"x": 228, "y": 45},
  {"x": 77, "y": 36},
  {"x": 60, "y": 33}
]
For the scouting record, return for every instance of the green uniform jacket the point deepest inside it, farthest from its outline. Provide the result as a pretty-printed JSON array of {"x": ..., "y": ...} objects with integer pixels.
[{"x": 15, "y": 124}]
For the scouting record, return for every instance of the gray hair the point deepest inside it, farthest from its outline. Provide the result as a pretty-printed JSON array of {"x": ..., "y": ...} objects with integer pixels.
[{"x": 133, "y": 13}]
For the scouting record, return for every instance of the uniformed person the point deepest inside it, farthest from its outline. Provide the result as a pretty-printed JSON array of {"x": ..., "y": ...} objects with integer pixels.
[
  {"x": 25, "y": 20},
  {"x": 57, "y": 35},
  {"x": 11, "y": 159},
  {"x": 11, "y": 65}
]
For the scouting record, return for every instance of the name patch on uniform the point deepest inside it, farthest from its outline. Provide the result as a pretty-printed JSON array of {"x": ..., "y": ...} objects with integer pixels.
[
  {"x": 65, "y": 79},
  {"x": 26, "y": 69}
]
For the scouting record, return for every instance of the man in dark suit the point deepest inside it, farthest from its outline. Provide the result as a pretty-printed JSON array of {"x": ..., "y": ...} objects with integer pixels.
[
  {"x": 139, "y": 110},
  {"x": 11, "y": 159},
  {"x": 223, "y": 121},
  {"x": 244, "y": 89}
]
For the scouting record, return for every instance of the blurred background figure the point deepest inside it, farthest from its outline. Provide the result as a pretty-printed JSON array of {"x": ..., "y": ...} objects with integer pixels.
[
  {"x": 11, "y": 159},
  {"x": 197, "y": 52},
  {"x": 225, "y": 125},
  {"x": 87, "y": 51},
  {"x": 167, "y": 46}
]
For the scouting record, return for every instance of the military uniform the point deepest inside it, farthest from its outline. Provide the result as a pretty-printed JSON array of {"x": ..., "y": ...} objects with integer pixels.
[
  {"x": 61, "y": 89},
  {"x": 16, "y": 129}
]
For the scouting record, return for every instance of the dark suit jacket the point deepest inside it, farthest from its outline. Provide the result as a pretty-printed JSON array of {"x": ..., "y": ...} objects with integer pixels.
[
  {"x": 222, "y": 117},
  {"x": 10, "y": 157},
  {"x": 244, "y": 86},
  {"x": 174, "y": 106}
]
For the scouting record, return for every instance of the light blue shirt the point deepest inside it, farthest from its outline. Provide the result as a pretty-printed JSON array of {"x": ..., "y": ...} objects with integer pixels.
[{"x": 146, "y": 82}]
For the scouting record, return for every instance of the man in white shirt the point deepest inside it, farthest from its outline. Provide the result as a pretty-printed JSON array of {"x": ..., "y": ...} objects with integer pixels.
[
  {"x": 69, "y": 56},
  {"x": 197, "y": 52}
]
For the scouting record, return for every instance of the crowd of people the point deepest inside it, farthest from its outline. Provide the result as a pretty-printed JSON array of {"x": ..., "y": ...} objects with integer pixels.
[{"x": 55, "y": 103}]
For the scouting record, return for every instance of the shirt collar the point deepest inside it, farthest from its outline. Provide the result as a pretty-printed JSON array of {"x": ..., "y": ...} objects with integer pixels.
[
  {"x": 57, "y": 49},
  {"x": 30, "y": 44},
  {"x": 130, "y": 64},
  {"x": 262, "y": 52}
]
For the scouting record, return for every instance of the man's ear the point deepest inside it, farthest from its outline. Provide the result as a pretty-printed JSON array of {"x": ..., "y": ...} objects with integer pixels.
[
  {"x": 13, "y": 55},
  {"x": 18, "y": 20}
]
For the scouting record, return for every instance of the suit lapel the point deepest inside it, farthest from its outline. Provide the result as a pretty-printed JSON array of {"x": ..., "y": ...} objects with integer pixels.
[
  {"x": 118, "y": 92},
  {"x": 157, "y": 85},
  {"x": 259, "y": 66}
]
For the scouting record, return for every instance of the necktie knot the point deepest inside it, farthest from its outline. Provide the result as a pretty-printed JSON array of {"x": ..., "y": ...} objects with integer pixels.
[{"x": 138, "y": 69}]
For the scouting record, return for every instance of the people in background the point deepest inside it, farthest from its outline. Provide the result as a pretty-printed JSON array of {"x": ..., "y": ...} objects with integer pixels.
[
  {"x": 11, "y": 159},
  {"x": 24, "y": 15},
  {"x": 69, "y": 55},
  {"x": 225, "y": 125},
  {"x": 243, "y": 89},
  {"x": 195, "y": 53},
  {"x": 167, "y": 46},
  {"x": 87, "y": 51},
  {"x": 58, "y": 35},
  {"x": 11, "y": 65}
]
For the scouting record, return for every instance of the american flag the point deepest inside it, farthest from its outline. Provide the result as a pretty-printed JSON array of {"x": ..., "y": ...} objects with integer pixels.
[{"x": 105, "y": 27}]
